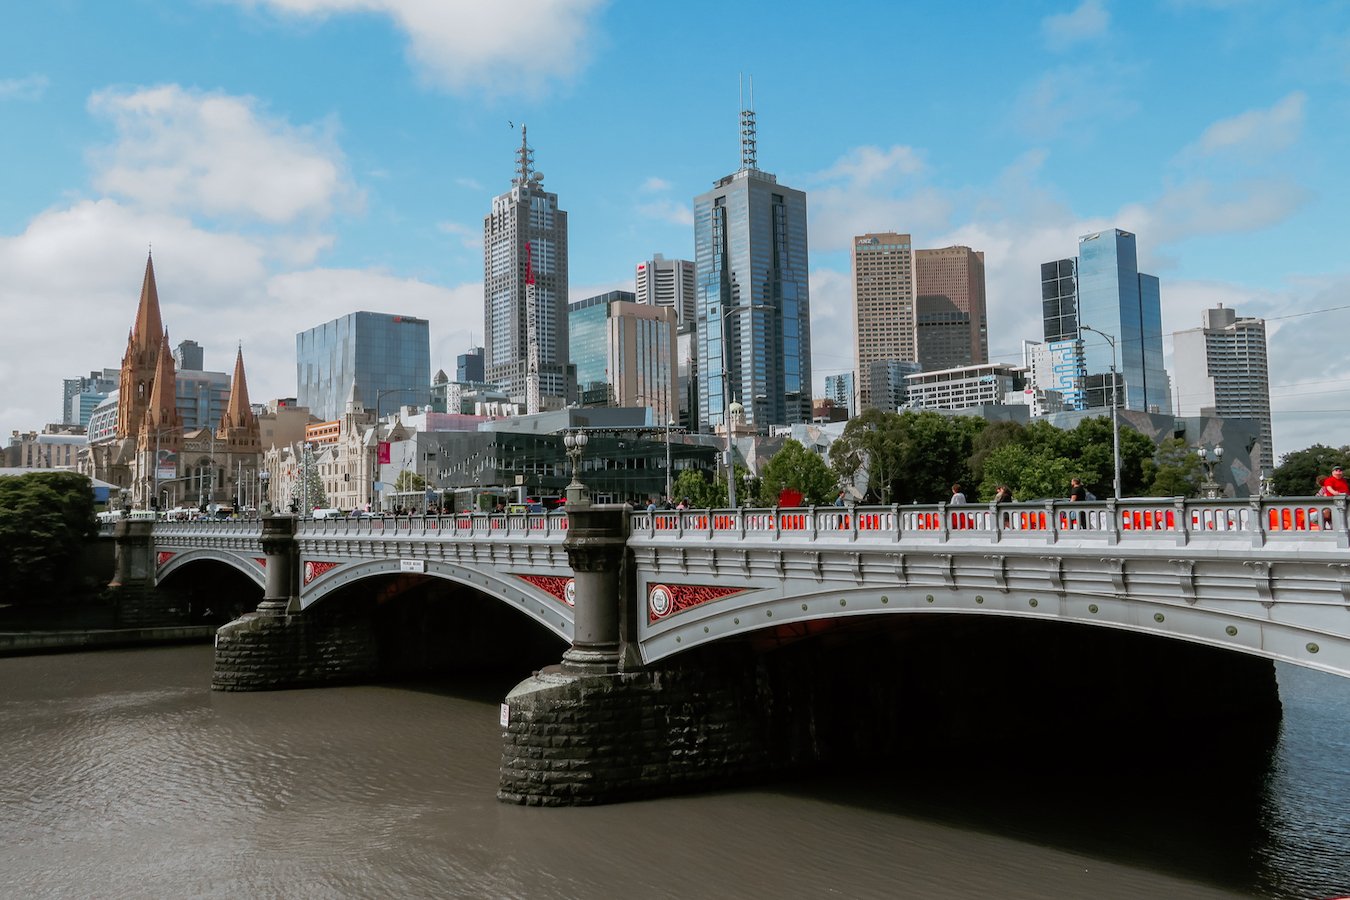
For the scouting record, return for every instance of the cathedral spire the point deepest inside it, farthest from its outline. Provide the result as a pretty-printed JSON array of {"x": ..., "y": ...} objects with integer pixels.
[
  {"x": 149, "y": 326},
  {"x": 238, "y": 414},
  {"x": 162, "y": 412},
  {"x": 141, "y": 360}
]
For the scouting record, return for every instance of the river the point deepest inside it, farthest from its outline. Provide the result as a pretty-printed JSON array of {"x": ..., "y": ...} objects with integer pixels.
[{"x": 123, "y": 775}]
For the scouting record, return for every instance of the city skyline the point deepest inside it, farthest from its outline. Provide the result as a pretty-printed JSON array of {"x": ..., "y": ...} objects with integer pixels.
[{"x": 274, "y": 202}]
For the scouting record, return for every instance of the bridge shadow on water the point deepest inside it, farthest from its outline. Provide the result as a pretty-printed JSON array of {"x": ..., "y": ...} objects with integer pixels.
[{"x": 1112, "y": 745}]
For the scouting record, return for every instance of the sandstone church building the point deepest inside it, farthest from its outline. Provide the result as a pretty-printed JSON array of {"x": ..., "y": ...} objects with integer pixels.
[{"x": 157, "y": 462}]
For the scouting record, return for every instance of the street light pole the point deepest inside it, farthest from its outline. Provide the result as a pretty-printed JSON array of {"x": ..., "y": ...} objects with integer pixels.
[
  {"x": 726, "y": 402},
  {"x": 1115, "y": 406},
  {"x": 670, "y": 423}
]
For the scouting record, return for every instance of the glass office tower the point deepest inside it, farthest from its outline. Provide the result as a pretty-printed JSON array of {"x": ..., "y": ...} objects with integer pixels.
[
  {"x": 754, "y": 310},
  {"x": 1114, "y": 298},
  {"x": 376, "y": 352}
]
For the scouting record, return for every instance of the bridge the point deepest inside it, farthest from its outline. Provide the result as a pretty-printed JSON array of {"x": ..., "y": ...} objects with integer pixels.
[
  {"x": 642, "y": 599},
  {"x": 1269, "y": 578}
]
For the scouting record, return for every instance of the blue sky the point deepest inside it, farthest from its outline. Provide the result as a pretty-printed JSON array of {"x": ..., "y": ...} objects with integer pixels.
[{"x": 294, "y": 160}]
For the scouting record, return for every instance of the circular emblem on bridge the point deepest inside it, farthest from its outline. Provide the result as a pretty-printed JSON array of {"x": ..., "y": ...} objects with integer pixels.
[
  {"x": 570, "y": 592},
  {"x": 659, "y": 601}
]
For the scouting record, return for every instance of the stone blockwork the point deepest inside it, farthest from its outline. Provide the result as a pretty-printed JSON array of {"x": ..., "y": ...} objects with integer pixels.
[
  {"x": 269, "y": 649},
  {"x": 697, "y": 723}
]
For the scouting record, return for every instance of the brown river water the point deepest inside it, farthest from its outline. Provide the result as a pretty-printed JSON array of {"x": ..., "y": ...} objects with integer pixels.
[{"x": 123, "y": 775}]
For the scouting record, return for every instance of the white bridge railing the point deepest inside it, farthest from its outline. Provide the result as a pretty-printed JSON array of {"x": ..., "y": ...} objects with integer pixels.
[
  {"x": 1143, "y": 520},
  {"x": 460, "y": 526}
]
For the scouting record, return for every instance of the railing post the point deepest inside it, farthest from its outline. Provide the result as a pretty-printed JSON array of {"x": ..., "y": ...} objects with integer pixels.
[
  {"x": 1183, "y": 522},
  {"x": 942, "y": 519},
  {"x": 597, "y": 539},
  {"x": 1339, "y": 521},
  {"x": 1052, "y": 522}
]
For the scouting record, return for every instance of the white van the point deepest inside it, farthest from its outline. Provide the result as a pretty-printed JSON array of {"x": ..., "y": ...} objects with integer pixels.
[{"x": 331, "y": 513}]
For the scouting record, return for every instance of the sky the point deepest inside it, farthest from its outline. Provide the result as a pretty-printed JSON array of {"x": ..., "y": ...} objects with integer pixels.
[{"x": 290, "y": 161}]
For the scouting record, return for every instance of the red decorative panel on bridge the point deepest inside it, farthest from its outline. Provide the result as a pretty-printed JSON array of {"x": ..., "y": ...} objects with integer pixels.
[
  {"x": 665, "y": 599},
  {"x": 261, "y": 560},
  {"x": 162, "y": 557},
  {"x": 562, "y": 587},
  {"x": 315, "y": 569}
]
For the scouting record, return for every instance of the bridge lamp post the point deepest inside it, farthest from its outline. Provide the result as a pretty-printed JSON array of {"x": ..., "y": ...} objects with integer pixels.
[
  {"x": 1115, "y": 406},
  {"x": 264, "y": 498},
  {"x": 575, "y": 442},
  {"x": 726, "y": 401},
  {"x": 1210, "y": 459}
]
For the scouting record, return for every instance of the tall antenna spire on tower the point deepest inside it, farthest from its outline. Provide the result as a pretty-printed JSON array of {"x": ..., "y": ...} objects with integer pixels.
[
  {"x": 748, "y": 160},
  {"x": 525, "y": 163}
]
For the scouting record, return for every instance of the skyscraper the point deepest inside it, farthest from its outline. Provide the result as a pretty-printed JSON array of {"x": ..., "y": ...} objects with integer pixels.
[
  {"x": 883, "y": 310},
  {"x": 754, "y": 309},
  {"x": 840, "y": 389},
  {"x": 950, "y": 323},
  {"x": 469, "y": 366},
  {"x": 377, "y": 352},
  {"x": 1221, "y": 371},
  {"x": 1116, "y": 299},
  {"x": 625, "y": 353},
  {"x": 667, "y": 282},
  {"x": 524, "y": 235}
]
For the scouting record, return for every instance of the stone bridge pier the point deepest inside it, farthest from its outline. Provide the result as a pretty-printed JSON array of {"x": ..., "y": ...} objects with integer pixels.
[
  {"x": 138, "y": 604},
  {"x": 277, "y": 646},
  {"x": 601, "y": 727}
]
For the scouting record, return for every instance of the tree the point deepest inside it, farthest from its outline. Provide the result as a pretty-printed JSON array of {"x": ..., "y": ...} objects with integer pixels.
[
  {"x": 1174, "y": 470},
  {"x": 796, "y": 468},
  {"x": 868, "y": 451},
  {"x": 309, "y": 487},
  {"x": 910, "y": 456},
  {"x": 1300, "y": 473},
  {"x": 409, "y": 480},
  {"x": 45, "y": 517},
  {"x": 1031, "y": 471},
  {"x": 703, "y": 491}
]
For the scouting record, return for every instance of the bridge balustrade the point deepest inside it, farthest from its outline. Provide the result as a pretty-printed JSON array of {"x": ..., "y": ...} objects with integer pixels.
[
  {"x": 459, "y": 526},
  {"x": 1113, "y": 521}
]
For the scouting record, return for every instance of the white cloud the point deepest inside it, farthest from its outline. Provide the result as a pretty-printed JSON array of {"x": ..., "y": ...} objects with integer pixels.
[
  {"x": 670, "y": 211},
  {"x": 1201, "y": 208},
  {"x": 663, "y": 208},
  {"x": 1088, "y": 21},
  {"x": 216, "y": 155},
  {"x": 471, "y": 46},
  {"x": 470, "y": 238},
  {"x": 872, "y": 189},
  {"x": 1255, "y": 133},
  {"x": 1072, "y": 95},
  {"x": 29, "y": 88}
]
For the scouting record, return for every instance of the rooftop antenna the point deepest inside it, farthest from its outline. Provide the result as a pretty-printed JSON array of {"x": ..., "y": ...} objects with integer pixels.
[
  {"x": 524, "y": 161},
  {"x": 748, "y": 160}
]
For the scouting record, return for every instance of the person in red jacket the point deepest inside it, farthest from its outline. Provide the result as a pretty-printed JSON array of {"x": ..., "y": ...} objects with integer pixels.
[{"x": 1335, "y": 484}]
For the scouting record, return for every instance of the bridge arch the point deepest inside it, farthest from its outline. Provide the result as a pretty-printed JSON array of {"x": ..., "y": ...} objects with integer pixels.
[
  {"x": 254, "y": 567},
  {"x": 1243, "y": 626},
  {"x": 545, "y": 608}
]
